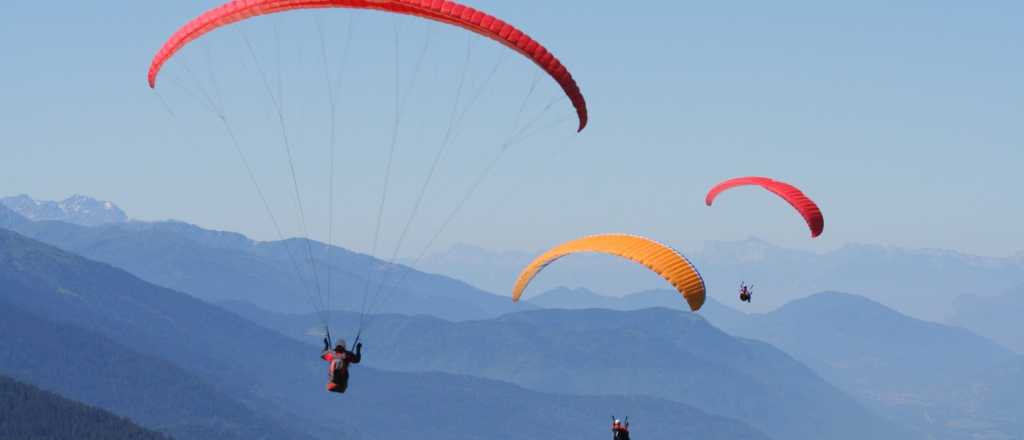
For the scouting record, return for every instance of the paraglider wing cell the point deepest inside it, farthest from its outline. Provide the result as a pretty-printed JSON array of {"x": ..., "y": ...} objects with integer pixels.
[
  {"x": 437, "y": 10},
  {"x": 663, "y": 260},
  {"x": 791, "y": 194}
]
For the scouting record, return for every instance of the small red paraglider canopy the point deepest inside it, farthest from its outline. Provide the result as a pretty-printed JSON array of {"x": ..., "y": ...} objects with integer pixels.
[{"x": 791, "y": 194}]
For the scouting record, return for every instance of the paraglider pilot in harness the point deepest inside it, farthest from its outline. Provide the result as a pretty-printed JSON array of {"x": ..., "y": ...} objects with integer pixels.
[
  {"x": 620, "y": 430},
  {"x": 746, "y": 291},
  {"x": 340, "y": 358}
]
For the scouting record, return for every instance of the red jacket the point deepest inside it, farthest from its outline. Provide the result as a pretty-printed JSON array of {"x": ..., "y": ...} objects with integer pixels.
[
  {"x": 620, "y": 431},
  {"x": 339, "y": 361}
]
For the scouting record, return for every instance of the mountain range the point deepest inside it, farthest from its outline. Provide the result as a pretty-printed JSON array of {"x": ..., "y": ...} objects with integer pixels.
[
  {"x": 77, "y": 209},
  {"x": 221, "y": 266},
  {"x": 224, "y": 266},
  {"x": 928, "y": 376},
  {"x": 923, "y": 283},
  {"x": 899, "y": 365},
  {"x": 668, "y": 354},
  {"x": 276, "y": 379},
  {"x": 582, "y": 298},
  {"x": 894, "y": 375}
]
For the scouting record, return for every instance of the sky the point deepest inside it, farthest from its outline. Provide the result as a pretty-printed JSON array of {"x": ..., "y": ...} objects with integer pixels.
[{"x": 903, "y": 121}]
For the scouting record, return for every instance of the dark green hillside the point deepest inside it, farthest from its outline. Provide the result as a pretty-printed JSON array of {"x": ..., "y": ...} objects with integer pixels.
[{"x": 26, "y": 412}]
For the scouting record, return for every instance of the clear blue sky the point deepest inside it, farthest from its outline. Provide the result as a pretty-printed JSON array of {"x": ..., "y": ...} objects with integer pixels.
[{"x": 904, "y": 121}]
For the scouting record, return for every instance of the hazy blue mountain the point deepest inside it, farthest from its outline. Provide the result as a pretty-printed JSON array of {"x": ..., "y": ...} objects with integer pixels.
[
  {"x": 578, "y": 298},
  {"x": 581, "y": 298},
  {"x": 77, "y": 209},
  {"x": 713, "y": 310},
  {"x": 491, "y": 270},
  {"x": 448, "y": 406},
  {"x": 26, "y": 412},
  {"x": 995, "y": 317},
  {"x": 920, "y": 282},
  {"x": 898, "y": 364},
  {"x": 88, "y": 367},
  {"x": 656, "y": 352},
  {"x": 496, "y": 271},
  {"x": 283, "y": 380},
  {"x": 994, "y": 396},
  {"x": 987, "y": 405},
  {"x": 861, "y": 344},
  {"x": 10, "y": 219},
  {"x": 219, "y": 266}
]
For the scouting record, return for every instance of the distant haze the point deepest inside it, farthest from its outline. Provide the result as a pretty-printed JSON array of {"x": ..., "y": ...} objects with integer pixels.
[
  {"x": 919, "y": 282},
  {"x": 924, "y": 283}
]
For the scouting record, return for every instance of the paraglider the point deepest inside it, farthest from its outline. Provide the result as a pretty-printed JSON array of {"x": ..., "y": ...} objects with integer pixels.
[
  {"x": 791, "y": 194},
  {"x": 663, "y": 260},
  {"x": 620, "y": 429},
  {"x": 443, "y": 11},
  {"x": 746, "y": 291},
  {"x": 339, "y": 360}
]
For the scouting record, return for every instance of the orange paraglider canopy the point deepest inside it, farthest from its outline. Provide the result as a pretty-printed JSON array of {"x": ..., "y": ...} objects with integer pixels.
[{"x": 663, "y": 260}]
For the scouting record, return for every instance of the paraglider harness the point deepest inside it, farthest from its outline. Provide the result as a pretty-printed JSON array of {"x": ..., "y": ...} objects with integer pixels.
[
  {"x": 339, "y": 374},
  {"x": 620, "y": 431},
  {"x": 746, "y": 292}
]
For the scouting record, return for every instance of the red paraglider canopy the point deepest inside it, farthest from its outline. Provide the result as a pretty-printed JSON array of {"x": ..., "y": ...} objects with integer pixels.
[
  {"x": 438, "y": 10},
  {"x": 804, "y": 205}
]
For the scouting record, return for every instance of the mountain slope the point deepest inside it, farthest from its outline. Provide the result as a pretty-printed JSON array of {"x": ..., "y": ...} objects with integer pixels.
[
  {"x": 220, "y": 266},
  {"x": 91, "y": 368},
  {"x": 283, "y": 380},
  {"x": 27, "y": 412},
  {"x": 11, "y": 220},
  {"x": 655, "y": 352},
  {"x": 580, "y": 298},
  {"x": 898, "y": 364},
  {"x": 862, "y": 345},
  {"x": 447, "y": 406},
  {"x": 996, "y": 393},
  {"x": 986, "y": 405},
  {"x": 995, "y": 317}
]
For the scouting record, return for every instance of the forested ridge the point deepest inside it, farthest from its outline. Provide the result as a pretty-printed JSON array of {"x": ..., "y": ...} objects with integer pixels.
[{"x": 29, "y": 413}]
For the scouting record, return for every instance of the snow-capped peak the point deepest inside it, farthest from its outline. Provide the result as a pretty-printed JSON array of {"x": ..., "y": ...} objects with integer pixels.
[{"x": 78, "y": 209}]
